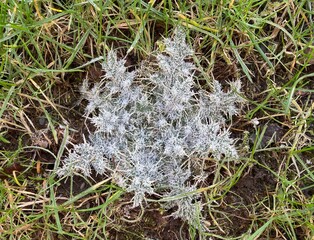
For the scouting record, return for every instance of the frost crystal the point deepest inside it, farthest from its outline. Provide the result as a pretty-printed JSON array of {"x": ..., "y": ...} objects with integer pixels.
[{"x": 149, "y": 133}]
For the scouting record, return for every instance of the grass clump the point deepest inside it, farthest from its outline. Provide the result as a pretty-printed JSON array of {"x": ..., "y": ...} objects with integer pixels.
[{"x": 48, "y": 47}]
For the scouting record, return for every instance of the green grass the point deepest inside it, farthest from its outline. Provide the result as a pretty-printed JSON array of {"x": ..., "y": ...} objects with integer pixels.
[{"x": 48, "y": 47}]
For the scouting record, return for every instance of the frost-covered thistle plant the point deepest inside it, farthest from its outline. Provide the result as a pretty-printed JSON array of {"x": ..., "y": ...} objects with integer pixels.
[{"x": 150, "y": 131}]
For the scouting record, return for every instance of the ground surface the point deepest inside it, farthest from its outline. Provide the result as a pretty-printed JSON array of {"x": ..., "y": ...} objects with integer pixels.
[{"x": 48, "y": 48}]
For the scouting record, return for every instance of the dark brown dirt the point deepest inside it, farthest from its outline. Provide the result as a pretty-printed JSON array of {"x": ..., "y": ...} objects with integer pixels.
[
  {"x": 242, "y": 203},
  {"x": 154, "y": 224}
]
